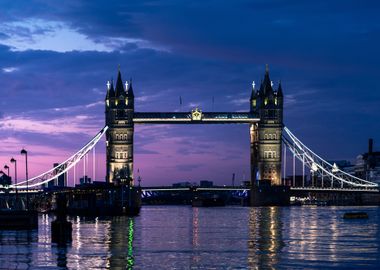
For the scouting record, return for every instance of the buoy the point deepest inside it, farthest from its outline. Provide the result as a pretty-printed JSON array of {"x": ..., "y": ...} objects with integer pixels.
[{"x": 355, "y": 215}]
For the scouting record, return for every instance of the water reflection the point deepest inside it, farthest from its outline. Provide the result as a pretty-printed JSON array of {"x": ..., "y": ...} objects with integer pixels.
[
  {"x": 265, "y": 237},
  {"x": 195, "y": 227},
  {"x": 120, "y": 244},
  {"x": 16, "y": 248},
  {"x": 62, "y": 257},
  {"x": 181, "y": 237}
]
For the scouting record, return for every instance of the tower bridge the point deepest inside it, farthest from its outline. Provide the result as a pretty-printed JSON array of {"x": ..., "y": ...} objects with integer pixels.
[
  {"x": 269, "y": 141},
  {"x": 265, "y": 120}
]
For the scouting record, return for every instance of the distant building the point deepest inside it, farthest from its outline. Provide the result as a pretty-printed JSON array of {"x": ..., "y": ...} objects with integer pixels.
[
  {"x": 206, "y": 183},
  {"x": 60, "y": 181},
  {"x": 85, "y": 180},
  {"x": 368, "y": 164},
  {"x": 183, "y": 184}
]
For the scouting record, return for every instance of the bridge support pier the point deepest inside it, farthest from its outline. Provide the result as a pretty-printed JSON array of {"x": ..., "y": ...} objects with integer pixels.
[
  {"x": 265, "y": 194},
  {"x": 61, "y": 229}
]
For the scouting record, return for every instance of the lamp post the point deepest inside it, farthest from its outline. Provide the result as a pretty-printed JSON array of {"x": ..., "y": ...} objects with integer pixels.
[
  {"x": 15, "y": 162},
  {"x": 6, "y": 167},
  {"x": 24, "y": 152}
]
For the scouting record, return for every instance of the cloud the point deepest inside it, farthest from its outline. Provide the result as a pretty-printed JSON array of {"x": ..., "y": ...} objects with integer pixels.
[
  {"x": 188, "y": 167},
  {"x": 9, "y": 69},
  {"x": 240, "y": 101},
  {"x": 79, "y": 107},
  {"x": 57, "y": 126},
  {"x": 38, "y": 34}
]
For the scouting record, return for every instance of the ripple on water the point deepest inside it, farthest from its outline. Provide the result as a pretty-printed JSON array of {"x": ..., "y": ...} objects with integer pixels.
[{"x": 182, "y": 237}]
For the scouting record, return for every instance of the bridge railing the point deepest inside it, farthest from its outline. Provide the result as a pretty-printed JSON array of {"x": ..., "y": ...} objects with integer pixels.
[
  {"x": 319, "y": 166},
  {"x": 62, "y": 168}
]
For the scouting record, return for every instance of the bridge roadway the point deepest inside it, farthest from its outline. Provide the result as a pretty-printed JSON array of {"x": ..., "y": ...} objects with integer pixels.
[{"x": 194, "y": 117}]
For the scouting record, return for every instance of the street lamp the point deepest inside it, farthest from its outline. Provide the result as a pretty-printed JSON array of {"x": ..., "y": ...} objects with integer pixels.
[
  {"x": 24, "y": 152},
  {"x": 6, "y": 167},
  {"x": 15, "y": 162}
]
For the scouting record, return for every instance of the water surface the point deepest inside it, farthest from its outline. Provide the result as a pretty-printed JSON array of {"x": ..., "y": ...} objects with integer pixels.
[{"x": 182, "y": 237}]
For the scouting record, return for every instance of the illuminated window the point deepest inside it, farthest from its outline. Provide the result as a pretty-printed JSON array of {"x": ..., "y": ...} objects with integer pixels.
[
  {"x": 254, "y": 103},
  {"x": 265, "y": 101},
  {"x": 108, "y": 103},
  {"x": 126, "y": 101},
  {"x": 275, "y": 101},
  {"x": 116, "y": 102}
]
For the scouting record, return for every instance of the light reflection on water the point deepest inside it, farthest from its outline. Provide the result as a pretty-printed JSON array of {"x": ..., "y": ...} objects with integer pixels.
[{"x": 181, "y": 237}]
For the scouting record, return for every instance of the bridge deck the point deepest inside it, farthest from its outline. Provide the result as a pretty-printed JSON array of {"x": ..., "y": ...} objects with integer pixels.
[{"x": 189, "y": 118}]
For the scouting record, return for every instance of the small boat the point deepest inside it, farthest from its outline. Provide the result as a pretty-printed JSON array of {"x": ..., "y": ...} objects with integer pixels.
[{"x": 355, "y": 215}]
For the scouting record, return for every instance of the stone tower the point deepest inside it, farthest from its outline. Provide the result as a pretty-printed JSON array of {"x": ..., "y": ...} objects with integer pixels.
[
  {"x": 266, "y": 134},
  {"x": 119, "y": 136}
]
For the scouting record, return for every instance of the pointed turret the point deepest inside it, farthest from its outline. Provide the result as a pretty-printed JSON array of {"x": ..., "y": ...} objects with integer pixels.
[
  {"x": 279, "y": 90},
  {"x": 254, "y": 92},
  {"x": 110, "y": 90},
  {"x": 130, "y": 93},
  {"x": 119, "y": 90},
  {"x": 266, "y": 87}
]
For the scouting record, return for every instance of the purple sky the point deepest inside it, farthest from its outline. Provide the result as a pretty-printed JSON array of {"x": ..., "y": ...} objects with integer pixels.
[{"x": 55, "y": 59}]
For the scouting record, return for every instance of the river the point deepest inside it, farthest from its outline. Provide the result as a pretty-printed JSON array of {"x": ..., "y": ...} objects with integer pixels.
[{"x": 182, "y": 237}]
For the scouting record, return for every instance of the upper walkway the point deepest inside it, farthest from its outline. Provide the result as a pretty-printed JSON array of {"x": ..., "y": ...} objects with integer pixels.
[{"x": 194, "y": 117}]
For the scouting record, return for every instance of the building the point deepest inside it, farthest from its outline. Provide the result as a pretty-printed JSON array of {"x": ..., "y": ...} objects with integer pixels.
[
  {"x": 267, "y": 133},
  {"x": 119, "y": 136},
  {"x": 183, "y": 184},
  {"x": 206, "y": 183},
  {"x": 85, "y": 180},
  {"x": 60, "y": 181},
  {"x": 368, "y": 164}
]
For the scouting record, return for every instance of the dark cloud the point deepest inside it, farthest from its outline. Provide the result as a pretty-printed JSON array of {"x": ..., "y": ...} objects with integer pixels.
[{"x": 188, "y": 167}]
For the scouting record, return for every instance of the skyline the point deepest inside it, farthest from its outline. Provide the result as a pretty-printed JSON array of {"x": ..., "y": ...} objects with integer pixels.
[{"x": 54, "y": 69}]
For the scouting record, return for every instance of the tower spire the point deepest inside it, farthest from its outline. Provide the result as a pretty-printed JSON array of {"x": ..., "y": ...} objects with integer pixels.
[
  {"x": 119, "y": 85},
  {"x": 267, "y": 85},
  {"x": 130, "y": 93},
  {"x": 279, "y": 90}
]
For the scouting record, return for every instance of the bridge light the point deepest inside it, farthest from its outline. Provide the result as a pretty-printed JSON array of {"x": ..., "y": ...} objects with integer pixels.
[
  {"x": 335, "y": 168},
  {"x": 314, "y": 167}
]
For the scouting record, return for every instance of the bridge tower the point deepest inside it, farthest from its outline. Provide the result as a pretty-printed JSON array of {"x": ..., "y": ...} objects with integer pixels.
[
  {"x": 266, "y": 134},
  {"x": 119, "y": 136}
]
